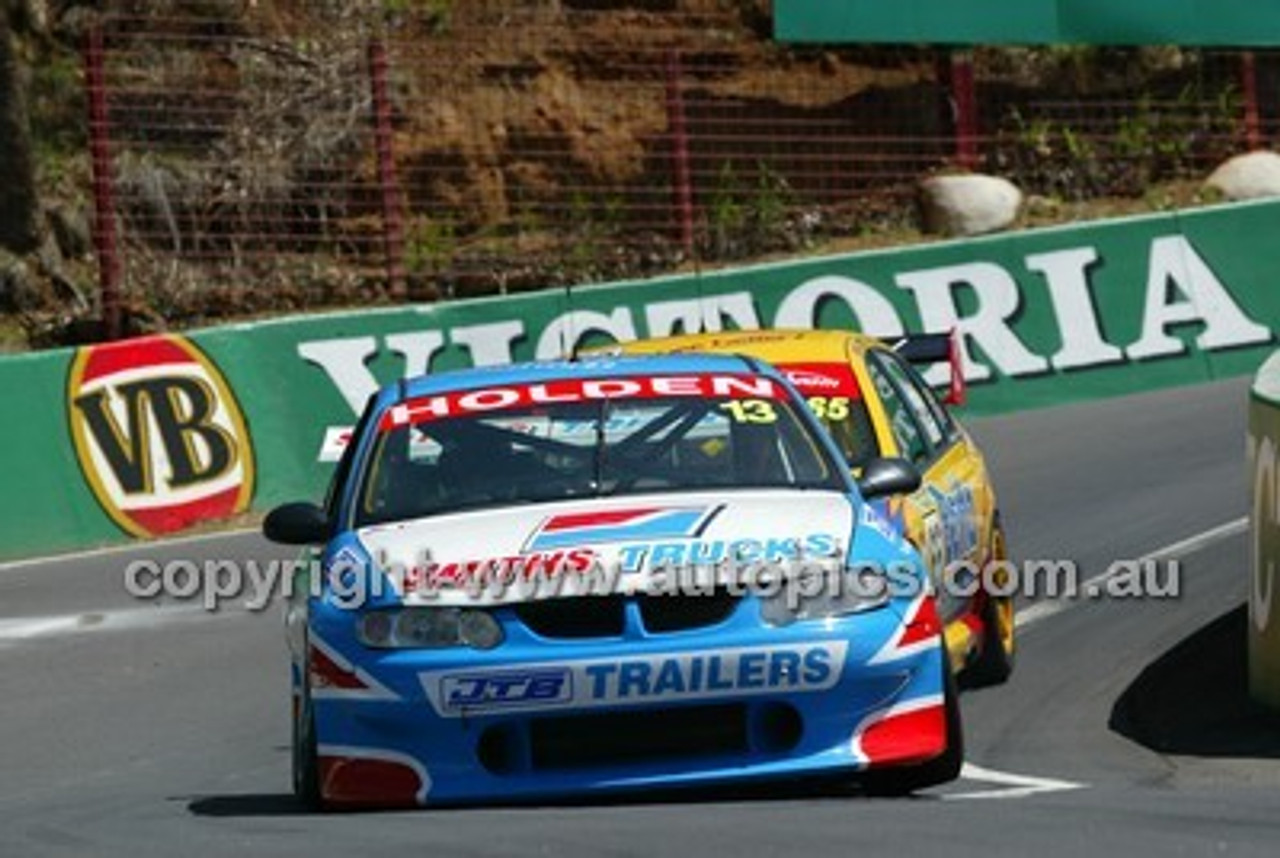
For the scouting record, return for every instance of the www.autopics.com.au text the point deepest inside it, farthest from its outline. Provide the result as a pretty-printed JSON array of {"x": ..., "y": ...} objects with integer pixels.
[{"x": 215, "y": 583}]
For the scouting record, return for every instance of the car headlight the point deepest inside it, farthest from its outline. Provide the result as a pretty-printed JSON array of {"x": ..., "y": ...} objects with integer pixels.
[
  {"x": 825, "y": 595},
  {"x": 428, "y": 628}
]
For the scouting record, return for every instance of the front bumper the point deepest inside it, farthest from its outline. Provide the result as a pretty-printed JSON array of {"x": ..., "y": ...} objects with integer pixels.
[{"x": 535, "y": 719}]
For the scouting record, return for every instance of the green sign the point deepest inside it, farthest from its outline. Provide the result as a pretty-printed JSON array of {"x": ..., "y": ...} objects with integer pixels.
[
  {"x": 148, "y": 437},
  {"x": 1036, "y": 22}
]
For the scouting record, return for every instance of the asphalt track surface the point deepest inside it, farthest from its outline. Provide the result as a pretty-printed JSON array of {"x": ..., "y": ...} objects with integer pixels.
[{"x": 158, "y": 729}]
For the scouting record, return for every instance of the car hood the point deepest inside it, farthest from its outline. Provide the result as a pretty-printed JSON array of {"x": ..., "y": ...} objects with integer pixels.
[{"x": 602, "y": 545}]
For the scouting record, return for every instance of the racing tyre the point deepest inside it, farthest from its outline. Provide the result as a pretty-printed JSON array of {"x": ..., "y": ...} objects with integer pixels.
[
  {"x": 943, "y": 768},
  {"x": 306, "y": 766},
  {"x": 994, "y": 663}
]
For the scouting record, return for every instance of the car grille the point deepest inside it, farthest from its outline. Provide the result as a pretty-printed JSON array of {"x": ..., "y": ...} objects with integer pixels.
[
  {"x": 619, "y": 739},
  {"x": 679, "y": 613},
  {"x": 605, "y": 616},
  {"x": 579, "y": 617}
]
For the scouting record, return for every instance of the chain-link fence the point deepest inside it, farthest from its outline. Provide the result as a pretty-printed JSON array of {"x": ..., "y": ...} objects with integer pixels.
[{"x": 304, "y": 154}]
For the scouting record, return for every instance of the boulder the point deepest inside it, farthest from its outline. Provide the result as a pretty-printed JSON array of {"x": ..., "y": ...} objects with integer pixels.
[
  {"x": 70, "y": 228},
  {"x": 969, "y": 204},
  {"x": 19, "y": 289},
  {"x": 64, "y": 288},
  {"x": 1248, "y": 177}
]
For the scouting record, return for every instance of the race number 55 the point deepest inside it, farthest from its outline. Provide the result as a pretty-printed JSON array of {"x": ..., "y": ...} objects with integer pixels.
[{"x": 833, "y": 408}]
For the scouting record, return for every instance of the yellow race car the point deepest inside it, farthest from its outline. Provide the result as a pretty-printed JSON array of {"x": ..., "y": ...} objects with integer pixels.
[{"x": 880, "y": 411}]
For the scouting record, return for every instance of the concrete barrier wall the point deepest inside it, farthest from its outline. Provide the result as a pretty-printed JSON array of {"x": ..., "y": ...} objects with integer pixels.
[{"x": 153, "y": 436}]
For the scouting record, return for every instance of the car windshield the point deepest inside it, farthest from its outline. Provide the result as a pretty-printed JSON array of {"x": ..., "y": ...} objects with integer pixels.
[
  {"x": 600, "y": 437},
  {"x": 836, "y": 400}
]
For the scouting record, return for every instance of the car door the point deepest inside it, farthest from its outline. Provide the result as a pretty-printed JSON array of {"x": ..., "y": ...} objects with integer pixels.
[{"x": 946, "y": 517}]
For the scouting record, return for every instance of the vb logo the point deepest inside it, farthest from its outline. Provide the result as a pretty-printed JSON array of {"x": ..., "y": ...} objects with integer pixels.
[{"x": 159, "y": 436}]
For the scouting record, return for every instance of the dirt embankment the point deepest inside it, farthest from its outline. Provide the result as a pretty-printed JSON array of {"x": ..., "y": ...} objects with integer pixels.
[{"x": 535, "y": 146}]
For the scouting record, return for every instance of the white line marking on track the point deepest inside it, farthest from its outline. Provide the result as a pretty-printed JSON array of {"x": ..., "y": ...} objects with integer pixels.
[
  {"x": 1021, "y": 786},
  {"x": 1092, "y": 586},
  {"x": 26, "y": 628},
  {"x": 128, "y": 547},
  {"x": 1199, "y": 540},
  {"x": 1013, "y": 786}
]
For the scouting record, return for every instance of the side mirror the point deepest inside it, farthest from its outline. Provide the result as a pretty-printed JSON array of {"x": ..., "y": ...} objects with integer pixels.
[
  {"x": 298, "y": 523},
  {"x": 883, "y": 477}
]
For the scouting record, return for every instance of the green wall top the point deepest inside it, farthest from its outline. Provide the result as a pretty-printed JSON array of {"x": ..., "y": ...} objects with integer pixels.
[{"x": 1225, "y": 23}]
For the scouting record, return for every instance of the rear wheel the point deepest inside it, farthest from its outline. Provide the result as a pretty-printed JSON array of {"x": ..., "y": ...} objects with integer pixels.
[
  {"x": 995, "y": 660},
  {"x": 943, "y": 768}
]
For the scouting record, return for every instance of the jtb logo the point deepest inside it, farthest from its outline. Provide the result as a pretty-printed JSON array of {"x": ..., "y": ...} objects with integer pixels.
[
  {"x": 482, "y": 691},
  {"x": 158, "y": 434}
]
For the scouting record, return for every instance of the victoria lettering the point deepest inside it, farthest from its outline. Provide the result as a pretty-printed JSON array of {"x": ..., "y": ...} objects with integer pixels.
[{"x": 982, "y": 300}]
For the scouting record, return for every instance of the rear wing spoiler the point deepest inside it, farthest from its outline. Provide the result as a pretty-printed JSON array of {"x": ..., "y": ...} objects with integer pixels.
[{"x": 933, "y": 349}]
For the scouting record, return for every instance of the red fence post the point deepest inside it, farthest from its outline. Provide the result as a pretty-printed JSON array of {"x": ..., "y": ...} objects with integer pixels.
[
  {"x": 682, "y": 177},
  {"x": 392, "y": 218},
  {"x": 104, "y": 208},
  {"x": 964, "y": 97},
  {"x": 1249, "y": 91}
]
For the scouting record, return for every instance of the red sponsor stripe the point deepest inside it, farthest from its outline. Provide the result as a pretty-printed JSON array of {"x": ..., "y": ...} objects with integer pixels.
[
  {"x": 495, "y": 400},
  {"x": 328, "y": 674},
  {"x": 822, "y": 379},
  {"x": 589, "y": 519},
  {"x": 360, "y": 781},
  {"x": 910, "y": 737},
  {"x": 924, "y": 624},
  {"x": 167, "y": 519},
  {"x": 106, "y": 360}
]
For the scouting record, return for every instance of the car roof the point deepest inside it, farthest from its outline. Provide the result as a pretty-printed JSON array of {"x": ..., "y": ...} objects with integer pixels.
[
  {"x": 780, "y": 346},
  {"x": 598, "y": 366}
]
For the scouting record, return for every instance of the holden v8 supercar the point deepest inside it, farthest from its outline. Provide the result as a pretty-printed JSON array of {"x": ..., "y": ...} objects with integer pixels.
[{"x": 614, "y": 574}]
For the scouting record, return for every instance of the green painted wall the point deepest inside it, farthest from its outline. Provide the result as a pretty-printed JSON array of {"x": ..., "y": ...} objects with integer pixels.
[{"x": 1049, "y": 316}]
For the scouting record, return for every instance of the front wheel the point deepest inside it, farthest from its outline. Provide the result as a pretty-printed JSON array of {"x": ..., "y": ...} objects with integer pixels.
[
  {"x": 943, "y": 768},
  {"x": 306, "y": 764}
]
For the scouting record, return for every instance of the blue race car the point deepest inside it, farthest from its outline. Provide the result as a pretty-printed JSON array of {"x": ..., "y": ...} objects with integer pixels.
[{"x": 568, "y": 578}]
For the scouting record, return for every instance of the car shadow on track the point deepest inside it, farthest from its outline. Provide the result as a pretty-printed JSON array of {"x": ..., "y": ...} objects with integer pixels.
[
  {"x": 1194, "y": 699},
  {"x": 284, "y": 804},
  {"x": 247, "y": 805}
]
